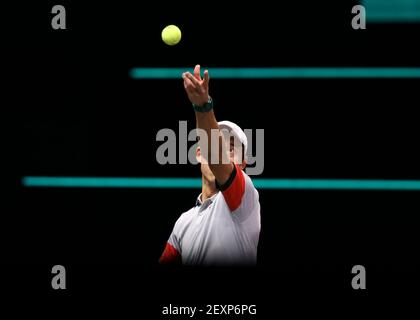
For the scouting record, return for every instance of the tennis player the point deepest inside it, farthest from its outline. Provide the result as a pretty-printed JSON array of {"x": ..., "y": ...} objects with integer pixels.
[{"x": 224, "y": 225}]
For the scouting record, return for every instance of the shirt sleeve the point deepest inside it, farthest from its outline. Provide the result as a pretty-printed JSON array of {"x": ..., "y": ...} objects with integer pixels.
[
  {"x": 234, "y": 188},
  {"x": 172, "y": 253}
]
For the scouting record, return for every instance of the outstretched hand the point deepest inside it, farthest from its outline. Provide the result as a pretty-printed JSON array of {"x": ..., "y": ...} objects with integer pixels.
[{"x": 197, "y": 88}]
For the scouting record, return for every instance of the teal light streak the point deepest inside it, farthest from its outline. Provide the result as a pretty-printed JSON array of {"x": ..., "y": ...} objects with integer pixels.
[
  {"x": 100, "y": 182},
  {"x": 392, "y": 11},
  {"x": 280, "y": 73},
  {"x": 298, "y": 184}
]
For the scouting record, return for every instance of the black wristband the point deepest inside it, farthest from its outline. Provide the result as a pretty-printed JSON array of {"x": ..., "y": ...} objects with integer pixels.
[{"x": 205, "y": 107}]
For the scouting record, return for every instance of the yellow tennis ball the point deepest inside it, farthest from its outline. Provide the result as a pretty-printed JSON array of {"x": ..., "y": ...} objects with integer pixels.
[{"x": 171, "y": 35}]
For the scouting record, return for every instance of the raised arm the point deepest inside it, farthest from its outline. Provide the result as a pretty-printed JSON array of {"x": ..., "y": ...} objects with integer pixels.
[{"x": 197, "y": 89}]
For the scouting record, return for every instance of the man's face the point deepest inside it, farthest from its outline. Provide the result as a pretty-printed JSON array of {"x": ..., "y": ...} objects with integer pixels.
[
  {"x": 236, "y": 150},
  {"x": 235, "y": 155},
  {"x": 207, "y": 173}
]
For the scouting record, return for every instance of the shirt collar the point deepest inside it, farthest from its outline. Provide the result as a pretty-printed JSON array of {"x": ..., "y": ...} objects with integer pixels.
[{"x": 198, "y": 202}]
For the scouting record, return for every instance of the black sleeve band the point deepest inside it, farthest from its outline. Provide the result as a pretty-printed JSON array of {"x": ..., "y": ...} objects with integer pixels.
[{"x": 228, "y": 182}]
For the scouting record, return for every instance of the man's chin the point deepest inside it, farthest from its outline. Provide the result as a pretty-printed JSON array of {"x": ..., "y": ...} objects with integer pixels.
[{"x": 210, "y": 178}]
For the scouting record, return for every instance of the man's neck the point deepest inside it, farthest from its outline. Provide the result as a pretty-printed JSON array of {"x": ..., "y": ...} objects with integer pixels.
[{"x": 208, "y": 189}]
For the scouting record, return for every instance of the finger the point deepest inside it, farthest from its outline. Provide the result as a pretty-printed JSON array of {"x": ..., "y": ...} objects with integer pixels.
[
  {"x": 206, "y": 78},
  {"x": 184, "y": 77},
  {"x": 196, "y": 82},
  {"x": 188, "y": 84},
  {"x": 187, "y": 79},
  {"x": 197, "y": 72}
]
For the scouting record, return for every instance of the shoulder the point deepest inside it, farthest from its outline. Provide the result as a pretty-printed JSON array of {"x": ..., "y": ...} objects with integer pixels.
[
  {"x": 184, "y": 219},
  {"x": 251, "y": 195},
  {"x": 249, "y": 185}
]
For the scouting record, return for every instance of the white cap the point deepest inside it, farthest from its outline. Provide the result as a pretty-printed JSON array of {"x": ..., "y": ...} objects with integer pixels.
[{"x": 237, "y": 132}]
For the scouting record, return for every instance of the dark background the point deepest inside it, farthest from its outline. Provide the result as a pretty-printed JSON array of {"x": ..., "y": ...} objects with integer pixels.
[{"x": 74, "y": 111}]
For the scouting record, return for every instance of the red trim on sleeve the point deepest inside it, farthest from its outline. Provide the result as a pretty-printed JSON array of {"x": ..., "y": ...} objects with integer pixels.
[
  {"x": 233, "y": 194},
  {"x": 170, "y": 255}
]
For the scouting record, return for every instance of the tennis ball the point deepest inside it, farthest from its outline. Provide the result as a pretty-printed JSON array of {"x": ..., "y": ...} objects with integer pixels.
[{"x": 171, "y": 35}]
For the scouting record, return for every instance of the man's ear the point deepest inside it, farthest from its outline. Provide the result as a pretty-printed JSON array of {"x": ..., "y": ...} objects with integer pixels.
[{"x": 198, "y": 154}]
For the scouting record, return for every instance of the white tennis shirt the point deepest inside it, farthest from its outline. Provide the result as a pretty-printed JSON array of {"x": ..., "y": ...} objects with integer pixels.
[{"x": 222, "y": 230}]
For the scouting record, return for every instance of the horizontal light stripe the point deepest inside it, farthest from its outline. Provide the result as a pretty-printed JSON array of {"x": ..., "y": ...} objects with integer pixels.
[
  {"x": 314, "y": 184},
  {"x": 96, "y": 182},
  {"x": 279, "y": 73},
  {"x": 392, "y": 11}
]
